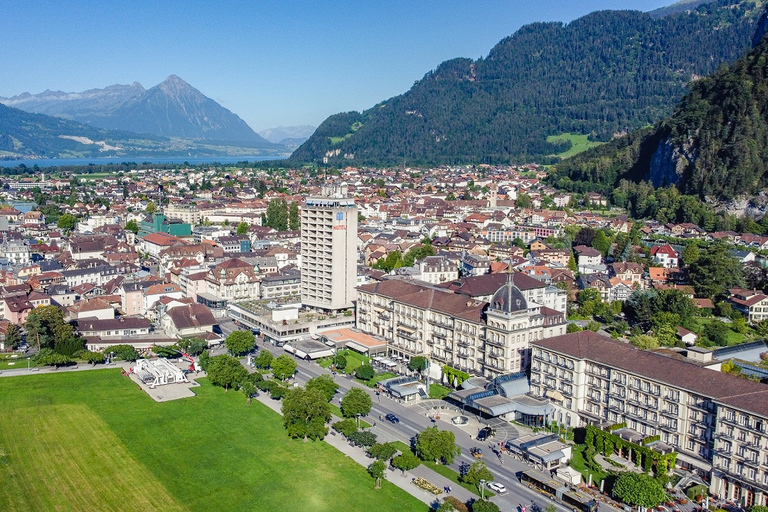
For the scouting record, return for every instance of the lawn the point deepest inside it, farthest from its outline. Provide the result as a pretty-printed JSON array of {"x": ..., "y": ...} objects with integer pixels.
[
  {"x": 8, "y": 362},
  {"x": 354, "y": 359},
  {"x": 438, "y": 391},
  {"x": 579, "y": 143},
  {"x": 93, "y": 441},
  {"x": 732, "y": 337}
]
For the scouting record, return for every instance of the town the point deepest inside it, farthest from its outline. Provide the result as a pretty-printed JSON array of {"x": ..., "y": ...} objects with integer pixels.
[{"x": 478, "y": 299}]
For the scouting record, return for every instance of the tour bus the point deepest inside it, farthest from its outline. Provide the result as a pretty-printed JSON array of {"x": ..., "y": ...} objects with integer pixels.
[{"x": 542, "y": 482}]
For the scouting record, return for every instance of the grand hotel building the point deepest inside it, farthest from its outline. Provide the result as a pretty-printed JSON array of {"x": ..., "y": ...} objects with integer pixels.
[{"x": 717, "y": 423}]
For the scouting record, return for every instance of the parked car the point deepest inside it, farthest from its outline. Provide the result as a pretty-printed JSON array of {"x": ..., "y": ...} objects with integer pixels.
[
  {"x": 392, "y": 418},
  {"x": 485, "y": 433},
  {"x": 497, "y": 487}
]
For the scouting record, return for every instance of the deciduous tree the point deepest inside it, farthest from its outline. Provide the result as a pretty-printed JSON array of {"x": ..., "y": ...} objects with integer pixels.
[
  {"x": 356, "y": 402},
  {"x": 377, "y": 471},
  {"x": 406, "y": 461},
  {"x": 477, "y": 471},
  {"x": 325, "y": 384},
  {"x": 437, "y": 445},
  {"x": 283, "y": 367},
  {"x": 226, "y": 371},
  {"x": 240, "y": 342},
  {"x": 305, "y": 413}
]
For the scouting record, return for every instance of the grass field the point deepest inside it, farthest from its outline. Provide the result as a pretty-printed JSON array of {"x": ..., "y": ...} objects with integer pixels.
[
  {"x": 93, "y": 441},
  {"x": 579, "y": 143}
]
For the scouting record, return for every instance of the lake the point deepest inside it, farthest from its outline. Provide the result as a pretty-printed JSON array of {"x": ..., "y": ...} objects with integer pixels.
[{"x": 54, "y": 162}]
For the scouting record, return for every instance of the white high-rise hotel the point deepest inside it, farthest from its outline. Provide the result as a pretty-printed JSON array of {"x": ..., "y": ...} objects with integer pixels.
[{"x": 329, "y": 250}]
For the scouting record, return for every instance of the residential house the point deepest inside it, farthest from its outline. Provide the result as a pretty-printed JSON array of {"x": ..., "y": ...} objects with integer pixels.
[
  {"x": 752, "y": 304},
  {"x": 666, "y": 256}
]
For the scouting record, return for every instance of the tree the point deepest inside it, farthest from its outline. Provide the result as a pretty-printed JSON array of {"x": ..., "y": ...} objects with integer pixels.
[
  {"x": 284, "y": 367},
  {"x": 132, "y": 225},
  {"x": 601, "y": 242},
  {"x": 67, "y": 221},
  {"x": 437, "y": 445},
  {"x": 242, "y": 228},
  {"x": 325, "y": 384},
  {"x": 340, "y": 361},
  {"x": 382, "y": 451},
  {"x": 345, "y": 427},
  {"x": 93, "y": 358},
  {"x": 377, "y": 471},
  {"x": 644, "y": 342},
  {"x": 240, "y": 342},
  {"x": 123, "y": 352},
  {"x": 264, "y": 360},
  {"x": 715, "y": 271},
  {"x": 249, "y": 390},
  {"x": 690, "y": 254},
  {"x": 13, "y": 336},
  {"x": 356, "y": 402},
  {"x": 362, "y": 438},
  {"x": 192, "y": 346},
  {"x": 365, "y": 372},
  {"x": 484, "y": 506},
  {"x": 277, "y": 214},
  {"x": 46, "y": 328},
  {"x": 716, "y": 332},
  {"x": 477, "y": 471},
  {"x": 294, "y": 219},
  {"x": 406, "y": 461},
  {"x": 523, "y": 200},
  {"x": 305, "y": 413},
  {"x": 48, "y": 357},
  {"x": 226, "y": 371},
  {"x": 638, "y": 489},
  {"x": 584, "y": 236},
  {"x": 151, "y": 208},
  {"x": 417, "y": 364},
  {"x": 572, "y": 263}
]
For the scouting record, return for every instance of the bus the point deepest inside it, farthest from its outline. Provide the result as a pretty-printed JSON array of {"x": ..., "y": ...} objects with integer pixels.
[{"x": 545, "y": 484}]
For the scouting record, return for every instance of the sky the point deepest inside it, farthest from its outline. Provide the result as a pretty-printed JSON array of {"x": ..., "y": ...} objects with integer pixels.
[{"x": 272, "y": 62}]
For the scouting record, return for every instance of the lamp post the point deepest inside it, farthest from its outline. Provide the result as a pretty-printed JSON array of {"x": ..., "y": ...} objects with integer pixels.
[
  {"x": 358, "y": 420},
  {"x": 482, "y": 489}
]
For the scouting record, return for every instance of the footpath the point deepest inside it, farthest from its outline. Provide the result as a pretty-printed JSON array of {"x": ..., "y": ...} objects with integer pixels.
[{"x": 394, "y": 476}]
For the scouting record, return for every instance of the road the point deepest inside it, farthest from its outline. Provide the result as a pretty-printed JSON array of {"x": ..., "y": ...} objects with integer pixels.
[{"x": 414, "y": 419}]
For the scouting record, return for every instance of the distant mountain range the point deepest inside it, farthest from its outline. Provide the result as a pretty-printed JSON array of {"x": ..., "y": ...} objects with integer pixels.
[
  {"x": 604, "y": 74},
  {"x": 27, "y": 135},
  {"x": 172, "y": 108},
  {"x": 288, "y": 135}
]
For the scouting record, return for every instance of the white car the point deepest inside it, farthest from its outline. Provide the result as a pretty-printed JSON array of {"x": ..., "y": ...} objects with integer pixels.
[{"x": 496, "y": 487}]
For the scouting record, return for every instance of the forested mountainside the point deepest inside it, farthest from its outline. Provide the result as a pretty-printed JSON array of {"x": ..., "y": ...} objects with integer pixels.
[
  {"x": 713, "y": 147},
  {"x": 606, "y": 73}
]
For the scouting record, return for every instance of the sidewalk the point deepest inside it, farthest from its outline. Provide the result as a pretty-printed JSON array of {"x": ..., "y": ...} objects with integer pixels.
[{"x": 394, "y": 476}]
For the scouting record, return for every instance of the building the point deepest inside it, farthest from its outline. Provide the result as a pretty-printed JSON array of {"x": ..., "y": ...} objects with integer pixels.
[
  {"x": 234, "y": 280},
  {"x": 158, "y": 223},
  {"x": 665, "y": 255},
  {"x": 716, "y": 423},
  {"x": 328, "y": 252},
  {"x": 437, "y": 269},
  {"x": 752, "y": 304},
  {"x": 450, "y": 328}
]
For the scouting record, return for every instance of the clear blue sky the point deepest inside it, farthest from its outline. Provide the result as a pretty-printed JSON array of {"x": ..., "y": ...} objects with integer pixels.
[{"x": 272, "y": 62}]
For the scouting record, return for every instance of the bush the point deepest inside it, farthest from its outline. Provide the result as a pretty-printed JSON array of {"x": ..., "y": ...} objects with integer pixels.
[
  {"x": 456, "y": 504},
  {"x": 341, "y": 362},
  {"x": 484, "y": 506},
  {"x": 345, "y": 427},
  {"x": 365, "y": 372}
]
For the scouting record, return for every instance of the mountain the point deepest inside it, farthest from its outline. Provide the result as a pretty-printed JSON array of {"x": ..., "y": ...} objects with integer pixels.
[
  {"x": 172, "y": 108},
  {"x": 294, "y": 133},
  {"x": 713, "y": 146},
  {"x": 603, "y": 74},
  {"x": 27, "y": 135}
]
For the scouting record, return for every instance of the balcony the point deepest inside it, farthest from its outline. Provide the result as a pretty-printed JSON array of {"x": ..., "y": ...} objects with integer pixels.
[
  {"x": 669, "y": 414},
  {"x": 667, "y": 427},
  {"x": 495, "y": 343},
  {"x": 463, "y": 343}
]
